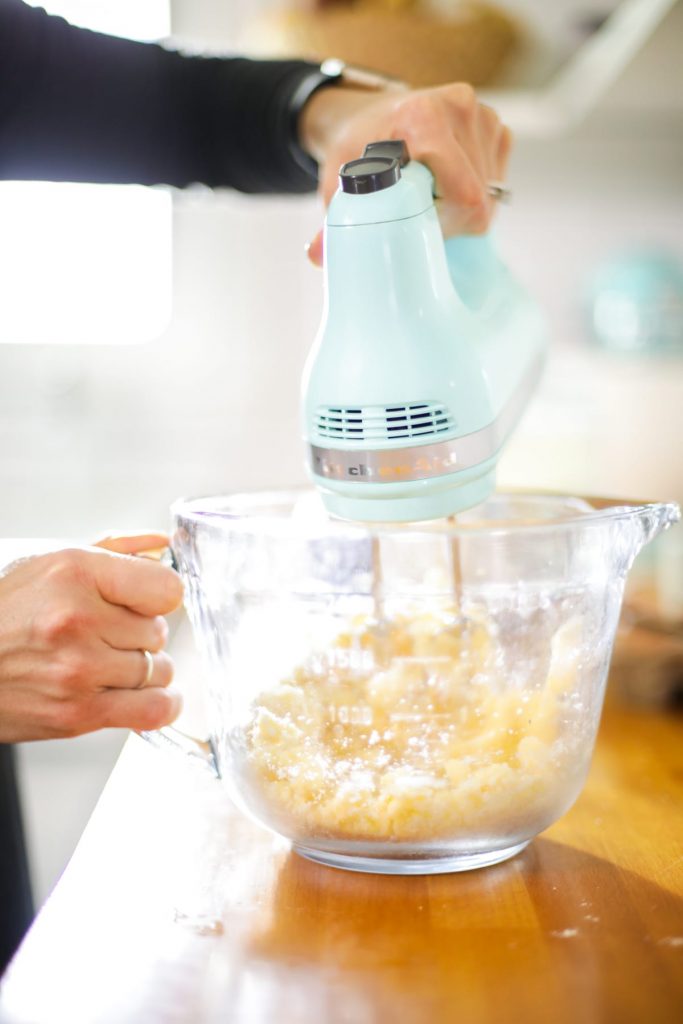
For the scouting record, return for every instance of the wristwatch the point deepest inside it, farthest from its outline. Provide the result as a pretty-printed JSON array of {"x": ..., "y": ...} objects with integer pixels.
[{"x": 332, "y": 72}]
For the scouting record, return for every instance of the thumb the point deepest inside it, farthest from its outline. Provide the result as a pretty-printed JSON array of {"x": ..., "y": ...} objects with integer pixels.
[{"x": 132, "y": 544}]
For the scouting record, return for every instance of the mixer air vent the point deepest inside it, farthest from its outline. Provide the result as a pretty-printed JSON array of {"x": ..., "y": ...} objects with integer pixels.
[{"x": 384, "y": 422}]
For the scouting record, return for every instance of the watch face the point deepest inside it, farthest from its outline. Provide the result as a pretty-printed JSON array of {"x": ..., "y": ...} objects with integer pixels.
[
  {"x": 333, "y": 67},
  {"x": 357, "y": 77}
]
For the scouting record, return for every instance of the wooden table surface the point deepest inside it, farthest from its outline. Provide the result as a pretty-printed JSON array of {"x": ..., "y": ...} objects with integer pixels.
[{"x": 175, "y": 908}]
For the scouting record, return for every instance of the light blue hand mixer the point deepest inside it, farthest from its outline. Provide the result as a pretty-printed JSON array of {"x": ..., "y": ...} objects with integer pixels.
[{"x": 426, "y": 356}]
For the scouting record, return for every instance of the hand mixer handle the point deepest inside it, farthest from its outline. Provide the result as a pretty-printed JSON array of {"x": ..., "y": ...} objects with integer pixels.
[
  {"x": 474, "y": 266},
  {"x": 478, "y": 274}
]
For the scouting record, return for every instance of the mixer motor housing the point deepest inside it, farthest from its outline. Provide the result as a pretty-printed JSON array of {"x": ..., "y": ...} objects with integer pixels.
[{"x": 426, "y": 356}]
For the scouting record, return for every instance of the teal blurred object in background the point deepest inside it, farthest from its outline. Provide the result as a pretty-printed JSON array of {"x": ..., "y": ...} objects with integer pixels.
[{"x": 635, "y": 303}]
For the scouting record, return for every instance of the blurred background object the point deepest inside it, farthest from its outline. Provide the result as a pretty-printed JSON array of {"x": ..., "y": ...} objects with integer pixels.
[
  {"x": 635, "y": 303},
  {"x": 105, "y": 435},
  {"x": 421, "y": 42}
]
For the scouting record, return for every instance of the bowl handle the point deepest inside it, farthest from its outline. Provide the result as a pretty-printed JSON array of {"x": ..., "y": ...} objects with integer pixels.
[{"x": 201, "y": 753}]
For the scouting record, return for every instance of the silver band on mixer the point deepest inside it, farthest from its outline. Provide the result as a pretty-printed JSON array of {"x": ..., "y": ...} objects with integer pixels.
[
  {"x": 149, "y": 670},
  {"x": 423, "y": 461},
  {"x": 498, "y": 191}
]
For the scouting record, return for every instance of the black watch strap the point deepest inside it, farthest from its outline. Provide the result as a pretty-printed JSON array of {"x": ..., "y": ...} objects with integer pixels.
[
  {"x": 328, "y": 74},
  {"x": 331, "y": 72}
]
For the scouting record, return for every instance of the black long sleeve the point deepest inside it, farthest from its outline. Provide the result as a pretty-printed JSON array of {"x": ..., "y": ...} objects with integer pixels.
[
  {"x": 16, "y": 907},
  {"x": 77, "y": 105}
]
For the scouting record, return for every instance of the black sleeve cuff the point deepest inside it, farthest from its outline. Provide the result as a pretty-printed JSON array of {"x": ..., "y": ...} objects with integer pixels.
[{"x": 82, "y": 106}]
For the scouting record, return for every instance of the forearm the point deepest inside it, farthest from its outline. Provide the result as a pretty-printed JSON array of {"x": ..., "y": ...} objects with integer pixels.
[{"x": 80, "y": 106}]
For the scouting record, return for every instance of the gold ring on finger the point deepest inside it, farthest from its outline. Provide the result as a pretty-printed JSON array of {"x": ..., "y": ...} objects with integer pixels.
[{"x": 149, "y": 669}]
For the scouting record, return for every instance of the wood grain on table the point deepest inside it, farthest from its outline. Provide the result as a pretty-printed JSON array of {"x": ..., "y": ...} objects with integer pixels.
[{"x": 176, "y": 908}]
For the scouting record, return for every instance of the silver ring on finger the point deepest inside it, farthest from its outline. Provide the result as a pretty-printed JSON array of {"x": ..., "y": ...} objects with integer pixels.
[
  {"x": 498, "y": 191},
  {"x": 149, "y": 670}
]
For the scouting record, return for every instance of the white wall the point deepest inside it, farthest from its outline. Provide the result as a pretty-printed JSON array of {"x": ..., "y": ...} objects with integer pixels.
[{"x": 100, "y": 437}]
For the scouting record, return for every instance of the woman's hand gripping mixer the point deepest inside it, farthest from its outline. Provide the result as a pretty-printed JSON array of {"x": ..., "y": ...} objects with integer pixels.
[{"x": 426, "y": 356}]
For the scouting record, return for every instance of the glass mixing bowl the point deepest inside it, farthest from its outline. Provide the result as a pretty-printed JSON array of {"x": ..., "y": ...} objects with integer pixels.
[{"x": 406, "y": 699}]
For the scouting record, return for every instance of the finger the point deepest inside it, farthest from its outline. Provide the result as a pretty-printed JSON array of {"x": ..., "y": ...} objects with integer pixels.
[
  {"x": 314, "y": 250},
  {"x": 133, "y": 544},
  {"x": 127, "y": 670},
  {"x": 329, "y": 178},
  {"x": 78, "y": 671},
  {"x": 440, "y": 129},
  {"x": 489, "y": 130},
  {"x": 457, "y": 181},
  {"x": 462, "y": 202},
  {"x": 137, "y": 709},
  {"x": 488, "y": 135},
  {"x": 140, "y": 584},
  {"x": 45, "y": 717},
  {"x": 505, "y": 142},
  {"x": 129, "y": 631}
]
